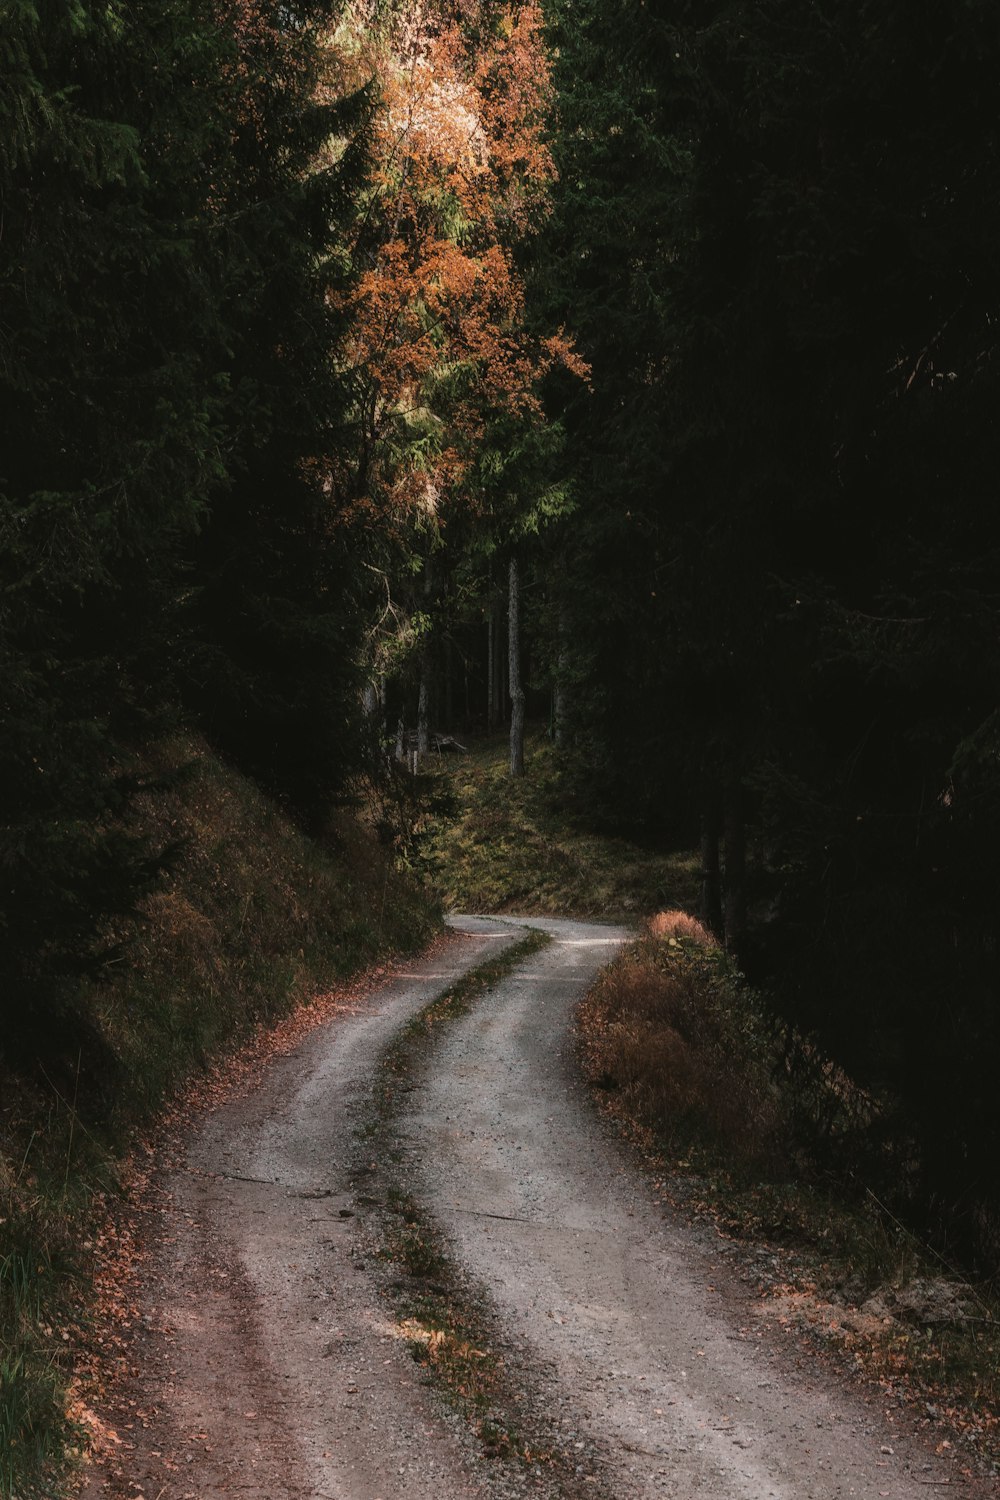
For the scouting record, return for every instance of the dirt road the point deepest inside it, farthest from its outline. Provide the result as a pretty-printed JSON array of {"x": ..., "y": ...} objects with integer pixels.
[{"x": 271, "y": 1368}]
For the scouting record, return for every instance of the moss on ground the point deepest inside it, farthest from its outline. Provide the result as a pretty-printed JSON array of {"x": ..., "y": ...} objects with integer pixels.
[
  {"x": 441, "y": 1321},
  {"x": 447, "y": 1320}
]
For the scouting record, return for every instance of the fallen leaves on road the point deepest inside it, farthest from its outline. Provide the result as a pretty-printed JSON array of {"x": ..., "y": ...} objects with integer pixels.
[{"x": 108, "y": 1349}]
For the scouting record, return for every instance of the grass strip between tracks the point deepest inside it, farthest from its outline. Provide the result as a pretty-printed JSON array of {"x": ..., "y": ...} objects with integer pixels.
[{"x": 451, "y": 1329}]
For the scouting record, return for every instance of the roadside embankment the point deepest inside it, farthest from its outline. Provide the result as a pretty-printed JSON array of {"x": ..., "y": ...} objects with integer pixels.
[
  {"x": 252, "y": 920},
  {"x": 741, "y": 1123}
]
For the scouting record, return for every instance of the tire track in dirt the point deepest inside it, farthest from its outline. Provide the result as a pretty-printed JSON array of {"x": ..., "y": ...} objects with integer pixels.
[
  {"x": 267, "y": 1366},
  {"x": 660, "y": 1359}
]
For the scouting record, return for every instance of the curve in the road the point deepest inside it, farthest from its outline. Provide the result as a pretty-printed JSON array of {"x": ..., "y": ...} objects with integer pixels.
[
  {"x": 546, "y": 1211},
  {"x": 269, "y": 1368}
]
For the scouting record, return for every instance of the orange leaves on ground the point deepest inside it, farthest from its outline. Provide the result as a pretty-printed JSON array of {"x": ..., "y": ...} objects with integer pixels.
[{"x": 108, "y": 1396}]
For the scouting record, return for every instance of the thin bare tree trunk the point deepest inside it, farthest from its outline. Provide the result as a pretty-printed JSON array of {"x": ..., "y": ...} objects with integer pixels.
[
  {"x": 499, "y": 698},
  {"x": 426, "y": 667},
  {"x": 449, "y": 687},
  {"x": 736, "y": 862},
  {"x": 503, "y": 670},
  {"x": 559, "y": 687},
  {"x": 514, "y": 671},
  {"x": 423, "y": 704}
]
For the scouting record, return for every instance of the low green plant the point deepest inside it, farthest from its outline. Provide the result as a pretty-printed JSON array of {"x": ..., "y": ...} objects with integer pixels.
[
  {"x": 32, "y": 1429},
  {"x": 37, "y": 1282}
]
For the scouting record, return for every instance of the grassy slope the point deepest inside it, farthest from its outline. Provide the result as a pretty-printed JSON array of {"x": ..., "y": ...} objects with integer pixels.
[
  {"x": 493, "y": 844},
  {"x": 254, "y": 919}
]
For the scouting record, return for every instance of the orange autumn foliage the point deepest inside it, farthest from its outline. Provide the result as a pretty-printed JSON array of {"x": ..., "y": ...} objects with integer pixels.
[{"x": 438, "y": 340}]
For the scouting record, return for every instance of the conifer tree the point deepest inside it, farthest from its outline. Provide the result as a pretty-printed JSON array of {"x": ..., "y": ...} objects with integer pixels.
[
  {"x": 274, "y": 620},
  {"x": 444, "y": 351},
  {"x": 810, "y": 628},
  {"x": 113, "y": 428},
  {"x": 164, "y": 391}
]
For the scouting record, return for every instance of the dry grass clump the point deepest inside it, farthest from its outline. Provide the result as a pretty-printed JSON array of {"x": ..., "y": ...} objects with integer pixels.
[
  {"x": 669, "y": 1029},
  {"x": 680, "y": 925}
]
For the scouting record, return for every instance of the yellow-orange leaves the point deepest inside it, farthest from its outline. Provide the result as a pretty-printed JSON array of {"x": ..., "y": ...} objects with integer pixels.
[{"x": 438, "y": 339}]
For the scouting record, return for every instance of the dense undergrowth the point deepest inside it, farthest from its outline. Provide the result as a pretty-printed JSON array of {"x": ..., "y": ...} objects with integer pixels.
[
  {"x": 491, "y": 843},
  {"x": 252, "y": 919},
  {"x": 747, "y": 1123}
]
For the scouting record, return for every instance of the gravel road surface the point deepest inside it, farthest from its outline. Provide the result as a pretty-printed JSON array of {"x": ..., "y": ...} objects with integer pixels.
[
  {"x": 683, "y": 1396},
  {"x": 270, "y": 1368}
]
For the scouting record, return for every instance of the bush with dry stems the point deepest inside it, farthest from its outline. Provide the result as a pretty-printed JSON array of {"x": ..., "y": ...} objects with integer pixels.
[{"x": 672, "y": 1029}]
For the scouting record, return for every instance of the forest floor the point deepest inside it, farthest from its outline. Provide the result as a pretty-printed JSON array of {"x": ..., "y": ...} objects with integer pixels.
[
  {"x": 407, "y": 1259},
  {"x": 492, "y": 844}
]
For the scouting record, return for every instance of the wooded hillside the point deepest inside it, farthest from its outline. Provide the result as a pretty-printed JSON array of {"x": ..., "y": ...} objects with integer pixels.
[{"x": 261, "y": 318}]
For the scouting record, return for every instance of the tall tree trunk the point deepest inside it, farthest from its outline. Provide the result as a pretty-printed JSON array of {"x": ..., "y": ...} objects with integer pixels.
[
  {"x": 370, "y": 700},
  {"x": 736, "y": 872},
  {"x": 514, "y": 671},
  {"x": 503, "y": 671},
  {"x": 426, "y": 665},
  {"x": 423, "y": 702},
  {"x": 449, "y": 687},
  {"x": 401, "y": 739},
  {"x": 711, "y": 878},
  {"x": 559, "y": 688},
  {"x": 499, "y": 699}
]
